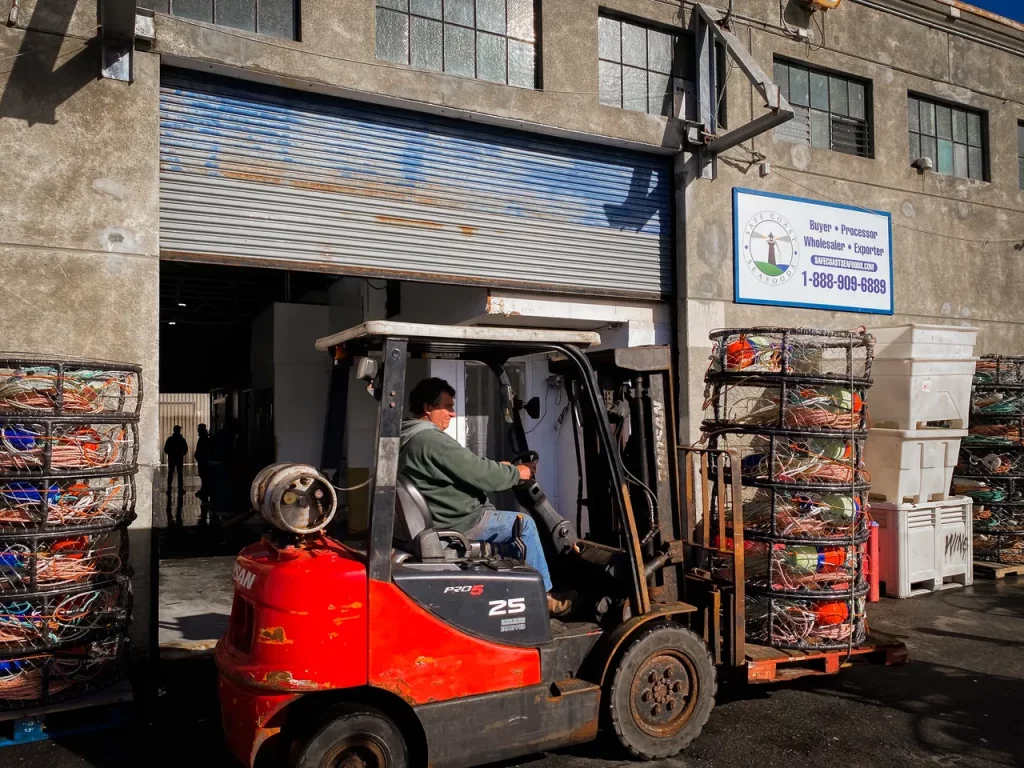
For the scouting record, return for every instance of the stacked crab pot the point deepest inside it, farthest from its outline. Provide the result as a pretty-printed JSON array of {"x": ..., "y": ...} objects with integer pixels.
[
  {"x": 68, "y": 457},
  {"x": 991, "y": 465},
  {"x": 790, "y": 403}
]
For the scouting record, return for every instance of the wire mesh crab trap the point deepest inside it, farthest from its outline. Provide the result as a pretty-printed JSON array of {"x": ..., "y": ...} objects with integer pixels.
[
  {"x": 786, "y": 405},
  {"x": 808, "y": 354},
  {"x": 50, "y": 387},
  {"x": 38, "y": 562},
  {"x": 816, "y": 460},
  {"x": 1005, "y": 432},
  {"x": 998, "y": 502},
  {"x": 790, "y": 405},
  {"x": 45, "y": 678},
  {"x": 990, "y": 468},
  {"x": 824, "y": 623},
  {"x": 804, "y": 516},
  {"x": 999, "y": 547},
  {"x": 999, "y": 370},
  {"x": 50, "y": 620},
  {"x": 50, "y": 504},
  {"x": 64, "y": 447}
]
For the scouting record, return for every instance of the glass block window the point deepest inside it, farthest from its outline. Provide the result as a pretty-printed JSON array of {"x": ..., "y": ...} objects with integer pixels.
[
  {"x": 830, "y": 111},
  {"x": 640, "y": 67},
  {"x": 266, "y": 17},
  {"x": 491, "y": 40},
  {"x": 951, "y": 136},
  {"x": 1020, "y": 153}
]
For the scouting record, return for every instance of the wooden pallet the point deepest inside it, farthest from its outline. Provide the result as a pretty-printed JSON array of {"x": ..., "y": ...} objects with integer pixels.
[
  {"x": 987, "y": 570},
  {"x": 772, "y": 665},
  {"x": 104, "y": 709}
]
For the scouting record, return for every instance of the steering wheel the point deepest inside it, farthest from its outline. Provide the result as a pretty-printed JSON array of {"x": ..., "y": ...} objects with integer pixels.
[{"x": 526, "y": 457}]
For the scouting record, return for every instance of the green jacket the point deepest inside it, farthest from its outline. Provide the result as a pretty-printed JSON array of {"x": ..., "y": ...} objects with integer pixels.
[{"x": 454, "y": 480}]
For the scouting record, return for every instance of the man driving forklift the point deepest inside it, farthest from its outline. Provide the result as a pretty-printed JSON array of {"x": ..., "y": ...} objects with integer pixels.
[{"x": 455, "y": 482}]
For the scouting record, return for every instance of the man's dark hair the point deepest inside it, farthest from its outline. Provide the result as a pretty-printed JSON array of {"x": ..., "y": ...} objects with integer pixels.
[
  {"x": 177, "y": 428},
  {"x": 428, "y": 392}
]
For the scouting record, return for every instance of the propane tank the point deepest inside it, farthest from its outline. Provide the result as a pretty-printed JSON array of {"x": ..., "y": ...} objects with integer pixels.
[{"x": 293, "y": 497}]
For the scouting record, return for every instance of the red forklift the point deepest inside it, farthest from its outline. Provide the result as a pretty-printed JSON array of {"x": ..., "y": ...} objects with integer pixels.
[{"x": 418, "y": 646}]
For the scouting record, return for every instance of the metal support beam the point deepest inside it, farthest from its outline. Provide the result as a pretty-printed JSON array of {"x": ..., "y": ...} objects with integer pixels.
[
  {"x": 709, "y": 33},
  {"x": 707, "y": 86},
  {"x": 117, "y": 39}
]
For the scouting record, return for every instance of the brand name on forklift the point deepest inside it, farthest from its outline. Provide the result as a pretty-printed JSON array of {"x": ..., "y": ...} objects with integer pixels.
[
  {"x": 474, "y": 589},
  {"x": 244, "y": 578}
]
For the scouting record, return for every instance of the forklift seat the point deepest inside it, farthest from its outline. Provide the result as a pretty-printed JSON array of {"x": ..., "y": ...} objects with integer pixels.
[{"x": 415, "y": 534}]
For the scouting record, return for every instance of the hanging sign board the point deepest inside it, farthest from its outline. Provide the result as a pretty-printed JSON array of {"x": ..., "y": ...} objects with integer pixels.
[{"x": 794, "y": 252}]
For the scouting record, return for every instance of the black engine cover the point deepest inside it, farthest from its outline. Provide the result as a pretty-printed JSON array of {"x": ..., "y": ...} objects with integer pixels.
[{"x": 503, "y": 602}]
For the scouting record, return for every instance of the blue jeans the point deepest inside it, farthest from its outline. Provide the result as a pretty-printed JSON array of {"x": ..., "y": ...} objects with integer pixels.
[{"x": 496, "y": 527}]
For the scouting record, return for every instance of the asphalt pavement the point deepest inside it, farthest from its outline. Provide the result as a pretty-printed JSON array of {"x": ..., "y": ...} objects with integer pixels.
[{"x": 958, "y": 703}]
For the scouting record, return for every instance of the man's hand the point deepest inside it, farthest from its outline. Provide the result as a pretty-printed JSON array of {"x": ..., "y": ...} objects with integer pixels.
[{"x": 526, "y": 471}]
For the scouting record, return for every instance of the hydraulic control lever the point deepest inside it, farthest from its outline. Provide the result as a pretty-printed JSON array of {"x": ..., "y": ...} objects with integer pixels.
[{"x": 562, "y": 532}]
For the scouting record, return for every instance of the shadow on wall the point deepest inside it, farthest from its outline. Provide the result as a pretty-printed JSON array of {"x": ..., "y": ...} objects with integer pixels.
[{"x": 49, "y": 68}]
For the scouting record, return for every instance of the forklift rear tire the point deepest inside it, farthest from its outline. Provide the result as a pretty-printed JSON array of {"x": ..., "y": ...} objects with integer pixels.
[
  {"x": 662, "y": 692},
  {"x": 355, "y": 737}
]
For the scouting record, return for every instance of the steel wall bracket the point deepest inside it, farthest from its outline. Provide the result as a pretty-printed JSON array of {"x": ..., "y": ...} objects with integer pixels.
[
  {"x": 709, "y": 34},
  {"x": 117, "y": 39}
]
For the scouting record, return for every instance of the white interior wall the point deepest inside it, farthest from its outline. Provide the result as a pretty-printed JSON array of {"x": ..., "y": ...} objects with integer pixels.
[{"x": 301, "y": 381}]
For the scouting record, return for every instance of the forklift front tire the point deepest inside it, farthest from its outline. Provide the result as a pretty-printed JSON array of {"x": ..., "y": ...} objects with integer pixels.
[
  {"x": 662, "y": 692},
  {"x": 354, "y": 737}
]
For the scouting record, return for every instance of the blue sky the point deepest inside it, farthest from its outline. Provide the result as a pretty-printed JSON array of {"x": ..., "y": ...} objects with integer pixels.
[{"x": 1011, "y": 9}]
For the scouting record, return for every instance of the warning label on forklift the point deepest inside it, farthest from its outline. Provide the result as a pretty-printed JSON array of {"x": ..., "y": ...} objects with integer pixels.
[
  {"x": 513, "y": 625},
  {"x": 795, "y": 252}
]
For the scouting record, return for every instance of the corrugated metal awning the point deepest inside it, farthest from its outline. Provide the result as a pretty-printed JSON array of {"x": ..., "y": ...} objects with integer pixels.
[{"x": 258, "y": 173}]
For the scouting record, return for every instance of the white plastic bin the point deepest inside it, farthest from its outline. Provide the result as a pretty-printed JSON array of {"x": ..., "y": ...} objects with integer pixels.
[
  {"x": 911, "y": 466},
  {"x": 924, "y": 547},
  {"x": 907, "y": 392},
  {"x": 918, "y": 341}
]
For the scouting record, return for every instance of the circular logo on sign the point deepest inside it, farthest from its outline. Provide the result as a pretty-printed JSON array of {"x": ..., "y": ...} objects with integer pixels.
[{"x": 769, "y": 248}]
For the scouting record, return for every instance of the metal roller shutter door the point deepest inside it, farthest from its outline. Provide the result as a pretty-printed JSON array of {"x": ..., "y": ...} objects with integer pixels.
[{"x": 256, "y": 173}]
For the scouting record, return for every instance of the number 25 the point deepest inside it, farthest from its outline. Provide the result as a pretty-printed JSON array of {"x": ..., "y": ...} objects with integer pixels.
[{"x": 503, "y": 607}]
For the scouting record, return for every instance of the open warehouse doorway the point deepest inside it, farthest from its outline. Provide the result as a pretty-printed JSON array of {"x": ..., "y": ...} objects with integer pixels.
[{"x": 237, "y": 357}]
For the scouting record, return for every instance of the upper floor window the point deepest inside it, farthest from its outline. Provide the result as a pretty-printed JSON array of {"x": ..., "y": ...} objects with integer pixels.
[
  {"x": 640, "y": 67},
  {"x": 266, "y": 17},
  {"x": 491, "y": 40},
  {"x": 952, "y": 137},
  {"x": 1020, "y": 153},
  {"x": 830, "y": 111}
]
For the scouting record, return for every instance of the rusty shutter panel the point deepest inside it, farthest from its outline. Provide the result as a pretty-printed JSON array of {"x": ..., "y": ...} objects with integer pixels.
[{"x": 253, "y": 173}]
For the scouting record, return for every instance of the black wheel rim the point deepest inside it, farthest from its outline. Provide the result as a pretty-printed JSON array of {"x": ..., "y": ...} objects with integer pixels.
[
  {"x": 361, "y": 751},
  {"x": 664, "y": 693}
]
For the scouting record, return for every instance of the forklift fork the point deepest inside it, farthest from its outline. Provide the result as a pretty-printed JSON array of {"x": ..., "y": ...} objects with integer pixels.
[{"x": 713, "y": 529}]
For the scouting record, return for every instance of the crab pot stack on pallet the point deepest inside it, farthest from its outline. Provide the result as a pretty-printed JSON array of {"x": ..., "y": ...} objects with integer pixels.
[
  {"x": 919, "y": 414},
  {"x": 790, "y": 403},
  {"x": 991, "y": 467},
  {"x": 68, "y": 457}
]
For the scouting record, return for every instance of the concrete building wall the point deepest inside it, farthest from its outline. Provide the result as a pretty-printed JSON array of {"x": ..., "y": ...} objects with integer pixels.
[
  {"x": 953, "y": 239},
  {"x": 78, "y": 203}
]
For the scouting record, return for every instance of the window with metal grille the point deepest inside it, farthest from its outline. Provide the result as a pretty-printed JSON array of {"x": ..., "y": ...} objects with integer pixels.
[
  {"x": 1020, "y": 153},
  {"x": 952, "y": 137},
  {"x": 642, "y": 67},
  {"x": 279, "y": 18},
  {"x": 491, "y": 40},
  {"x": 830, "y": 111}
]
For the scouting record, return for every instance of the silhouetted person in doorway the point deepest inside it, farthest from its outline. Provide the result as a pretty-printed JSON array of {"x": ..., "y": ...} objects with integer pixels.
[
  {"x": 176, "y": 448},
  {"x": 222, "y": 465},
  {"x": 202, "y": 457}
]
